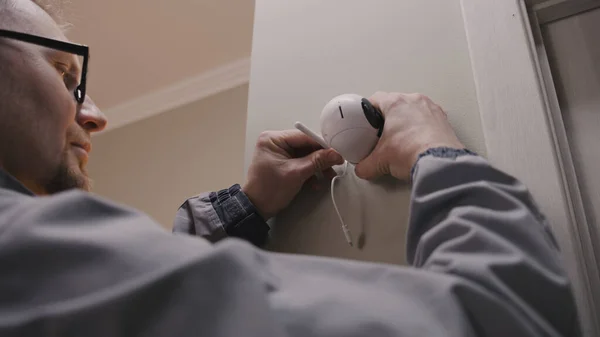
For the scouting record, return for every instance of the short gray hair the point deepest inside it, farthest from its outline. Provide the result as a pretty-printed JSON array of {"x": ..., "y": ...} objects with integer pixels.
[{"x": 56, "y": 10}]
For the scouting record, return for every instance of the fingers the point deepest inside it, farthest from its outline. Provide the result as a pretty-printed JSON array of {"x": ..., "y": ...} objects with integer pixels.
[
  {"x": 377, "y": 98},
  {"x": 371, "y": 167},
  {"x": 290, "y": 143},
  {"x": 367, "y": 168},
  {"x": 295, "y": 139},
  {"x": 317, "y": 161}
]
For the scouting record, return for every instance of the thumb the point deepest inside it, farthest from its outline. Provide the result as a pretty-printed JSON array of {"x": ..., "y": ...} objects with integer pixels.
[
  {"x": 368, "y": 168},
  {"x": 316, "y": 162}
]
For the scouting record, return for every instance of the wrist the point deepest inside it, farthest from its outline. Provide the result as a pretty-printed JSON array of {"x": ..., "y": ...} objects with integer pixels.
[
  {"x": 238, "y": 216},
  {"x": 434, "y": 145},
  {"x": 441, "y": 152},
  {"x": 260, "y": 205}
]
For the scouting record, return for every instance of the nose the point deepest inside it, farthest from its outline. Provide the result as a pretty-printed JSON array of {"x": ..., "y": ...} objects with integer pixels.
[{"x": 90, "y": 117}]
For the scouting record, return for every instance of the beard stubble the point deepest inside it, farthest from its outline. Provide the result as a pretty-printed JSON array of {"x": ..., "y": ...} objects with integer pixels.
[{"x": 66, "y": 177}]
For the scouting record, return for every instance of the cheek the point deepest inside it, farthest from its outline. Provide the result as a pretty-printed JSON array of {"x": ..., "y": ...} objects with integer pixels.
[
  {"x": 52, "y": 110},
  {"x": 38, "y": 111},
  {"x": 53, "y": 124},
  {"x": 59, "y": 101},
  {"x": 57, "y": 107}
]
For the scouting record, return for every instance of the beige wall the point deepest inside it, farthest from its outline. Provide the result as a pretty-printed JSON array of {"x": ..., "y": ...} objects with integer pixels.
[
  {"x": 139, "y": 46},
  {"x": 155, "y": 164},
  {"x": 306, "y": 52}
]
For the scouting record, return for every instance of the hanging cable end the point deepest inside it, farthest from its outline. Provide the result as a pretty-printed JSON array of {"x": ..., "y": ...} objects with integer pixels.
[{"x": 348, "y": 236}]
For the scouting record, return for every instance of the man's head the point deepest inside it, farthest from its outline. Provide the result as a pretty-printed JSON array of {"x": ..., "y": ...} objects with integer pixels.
[{"x": 44, "y": 133}]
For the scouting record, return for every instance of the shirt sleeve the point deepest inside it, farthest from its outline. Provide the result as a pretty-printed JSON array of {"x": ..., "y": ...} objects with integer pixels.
[
  {"x": 483, "y": 265},
  {"x": 221, "y": 214},
  {"x": 477, "y": 223}
]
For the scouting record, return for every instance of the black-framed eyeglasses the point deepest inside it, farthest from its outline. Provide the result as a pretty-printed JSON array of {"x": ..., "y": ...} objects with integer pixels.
[{"x": 77, "y": 49}]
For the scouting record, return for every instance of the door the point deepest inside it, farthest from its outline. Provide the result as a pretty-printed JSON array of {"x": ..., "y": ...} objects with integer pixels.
[
  {"x": 536, "y": 67},
  {"x": 572, "y": 44}
]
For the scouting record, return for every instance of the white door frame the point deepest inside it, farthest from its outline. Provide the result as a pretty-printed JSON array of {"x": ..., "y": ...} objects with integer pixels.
[{"x": 524, "y": 131}]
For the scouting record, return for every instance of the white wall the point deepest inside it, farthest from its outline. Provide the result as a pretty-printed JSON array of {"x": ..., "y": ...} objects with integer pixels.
[
  {"x": 306, "y": 52},
  {"x": 155, "y": 164}
]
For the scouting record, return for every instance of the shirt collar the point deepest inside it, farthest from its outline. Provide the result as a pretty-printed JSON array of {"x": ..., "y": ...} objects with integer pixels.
[{"x": 9, "y": 182}]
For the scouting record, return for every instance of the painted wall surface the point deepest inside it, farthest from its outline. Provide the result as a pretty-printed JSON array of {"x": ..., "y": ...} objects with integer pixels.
[
  {"x": 155, "y": 164},
  {"x": 305, "y": 53},
  {"x": 140, "y": 46}
]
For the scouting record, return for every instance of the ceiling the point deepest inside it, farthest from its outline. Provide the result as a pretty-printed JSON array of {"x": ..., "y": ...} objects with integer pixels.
[{"x": 141, "y": 46}]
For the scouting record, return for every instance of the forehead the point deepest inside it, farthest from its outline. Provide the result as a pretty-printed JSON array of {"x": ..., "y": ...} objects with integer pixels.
[{"x": 27, "y": 17}]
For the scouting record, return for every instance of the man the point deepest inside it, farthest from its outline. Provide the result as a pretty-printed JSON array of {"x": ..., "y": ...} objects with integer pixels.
[{"x": 483, "y": 261}]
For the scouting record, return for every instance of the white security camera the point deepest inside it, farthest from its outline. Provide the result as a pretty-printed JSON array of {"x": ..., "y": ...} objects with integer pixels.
[{"x": 351, "y": 125}]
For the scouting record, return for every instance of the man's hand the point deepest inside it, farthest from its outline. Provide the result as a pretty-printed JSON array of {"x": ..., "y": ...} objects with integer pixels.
[
  {"x": 413, "y": 124},
  {"x": 283, "y": 161}
]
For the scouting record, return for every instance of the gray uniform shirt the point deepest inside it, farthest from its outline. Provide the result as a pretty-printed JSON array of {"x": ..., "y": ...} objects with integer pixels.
[{"x": 482, "y": 264}]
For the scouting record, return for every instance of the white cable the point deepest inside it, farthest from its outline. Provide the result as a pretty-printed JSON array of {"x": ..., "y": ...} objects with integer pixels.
[
  {"x": 324, "y": 144},
  {"x": 345, "y": 229},
  {"x": 311, "y": 134}
]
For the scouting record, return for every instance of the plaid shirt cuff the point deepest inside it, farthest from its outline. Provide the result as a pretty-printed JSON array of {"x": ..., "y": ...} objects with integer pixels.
[
  {"x": 441, "y": 152},
  {"x": 239, "y": 216}
]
